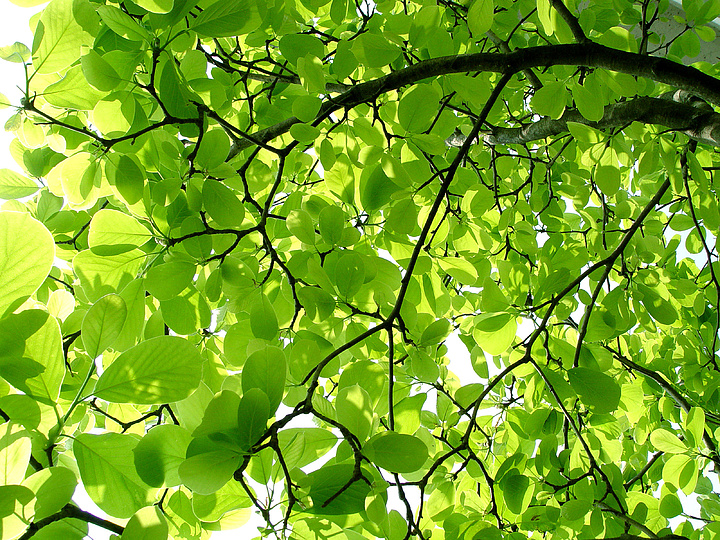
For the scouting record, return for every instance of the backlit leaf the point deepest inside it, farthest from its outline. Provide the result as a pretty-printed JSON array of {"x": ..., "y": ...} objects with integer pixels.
[
  {"x": 15, "y": 186},
  {"x": 396, "y": 452},
  {"x": 480, "y": 17},
  {"x": 103, "y": 323},
  {"x": 265, "y": 370},
  {"x": 159, "y": 370},
  {"x": 597, "y": 390},
  {"x": 112, "y": 484},
  {"x": 28, "y": 252}
]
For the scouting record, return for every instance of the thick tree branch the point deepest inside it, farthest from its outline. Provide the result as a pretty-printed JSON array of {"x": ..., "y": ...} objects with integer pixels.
[
  {"x": 72, "y": 511},
  {"x": 699, "y": 124},
  {"x": 585, "y": 54},
  {"x": 570, "y": 20},
  {"x": 504, "y": 47}
]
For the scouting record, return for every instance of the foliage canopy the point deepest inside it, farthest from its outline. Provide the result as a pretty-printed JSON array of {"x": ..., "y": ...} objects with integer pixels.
[{"x": 240, "y": 218}]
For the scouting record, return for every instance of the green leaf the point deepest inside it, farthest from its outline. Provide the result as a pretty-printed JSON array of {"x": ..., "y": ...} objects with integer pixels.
[
  {"x": 227, "y": 18},
  {"x": 374, "y": 50},
  {"x": 73, "y": 91},
  {"x": 59, "y": 35},
  {"x": 318, "y": 304},
  {"x": 160, "y": 370},
  {"x": 550, "y": 100},
  {"x": 15, "y": 186},
  {"x": 31, "y": 354},
  {"x": 608, "y": 179},
  {"x": 587, "y": 103},
  {"x": 660, "y": 309},
  {"x": 156, "y": 6},
  {"x": 113, "y": 485},
  {"x": 368, "y": 375},
  {"x": 21, "y": 409},
  {"x": 98, "y": 72},
  {"x": 516, "y": 492},
  {"x": 495, "y": 332},
  {"x": 253, "y": 413},
  {"x": 418, "y": 107},
  {"x": 435, "y": 333},
  {"x": 305, "y": 108},
  {"x": 575, "y": 509},
  {"x": 265, "y": 370},
  {"x": 296, "y": 46},
  {"x": 173, "y": 91},
  {"x": 17, "y": 52},
  {"x": 665, "y": 441},
  {"x": 460, "y": 269},
  {"x": 480, "y": 17},
  {"x": 28, "y": 252},
  {"x": 423, "y": 366},
  {"x": 159, "y": 453},
  {"x": 331, "y": 222},
  {"x": 127, "y": 177},
  {"x": 213, "y": 150},
  {"x": 103, "y": 323},
  {"x": 15, "y": 510},
  {"x": 354, "y": 411},
  {"x": 15, "y": 451},
  {"x": 122, "y": 24},
  {"x": 104, "y": 274},
  {"x": 148, "y": 523},
  {"x": 402, "y": 217},
  {"x": 670, "y": 506},
  {"x": 186, "y": 313},
  {"x": 222, "y": 205},
  {"x": 694, "y": 425},
  {"x": 396, "y": 452},
  {"x": 212, "y": 507},
  {"x": 303, "y": 446},
  {"x": 325, "y": 490},
  {"x": 304, "y": 133},
  {"x": 300, "y": 224},
  {"x": 208, "y": 472},
  {"x": 425, "y": 23},
  {"x": 597, "y": 390},
  {"x": 681, "y": 471},
  {"x": 166, "y": 281},
  {"x": 376, "y": 189},
  {"x": 349, "y": 274},
  {"x": 263, "y": 320},
  {"x": 220, "y": 415},
  {"x": 310, "y": 70},
  {"x": 53, "y": 488}
]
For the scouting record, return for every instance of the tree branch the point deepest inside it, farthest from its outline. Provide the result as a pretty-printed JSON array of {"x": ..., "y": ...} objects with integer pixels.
[
  {"x": 584, "y": 54},
  {"x": 698, "y": 124},
  {"x": 72, "y": 511},
  {"x": 570, "y": 20}
]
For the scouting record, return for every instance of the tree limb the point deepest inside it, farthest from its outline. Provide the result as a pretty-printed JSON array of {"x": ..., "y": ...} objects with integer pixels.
[
  {"x": 698, "y": 124},
  {"x": 584, "y": 54},
  {"x": 72, "y": 511}
]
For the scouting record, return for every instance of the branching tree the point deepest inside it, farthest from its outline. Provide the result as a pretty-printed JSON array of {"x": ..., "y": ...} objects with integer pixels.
[{"x": 396, "y": 270}]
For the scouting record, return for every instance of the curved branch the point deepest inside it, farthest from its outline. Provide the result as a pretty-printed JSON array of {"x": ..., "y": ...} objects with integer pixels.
[
  {"x": 584, "y": 54},
  {"x": 72, "y": 511}
]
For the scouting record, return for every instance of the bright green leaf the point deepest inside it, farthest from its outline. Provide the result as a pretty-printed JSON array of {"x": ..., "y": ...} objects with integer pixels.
[{"x": 160, "y": 370}]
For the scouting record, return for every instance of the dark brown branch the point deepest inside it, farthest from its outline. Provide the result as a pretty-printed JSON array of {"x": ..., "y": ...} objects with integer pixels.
[
  {"x": 504, "y": 47},
  {"x": 72, "y": 511},
  {"x": 585, "y": 54},
  {"x": 570, "y": 20}
]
